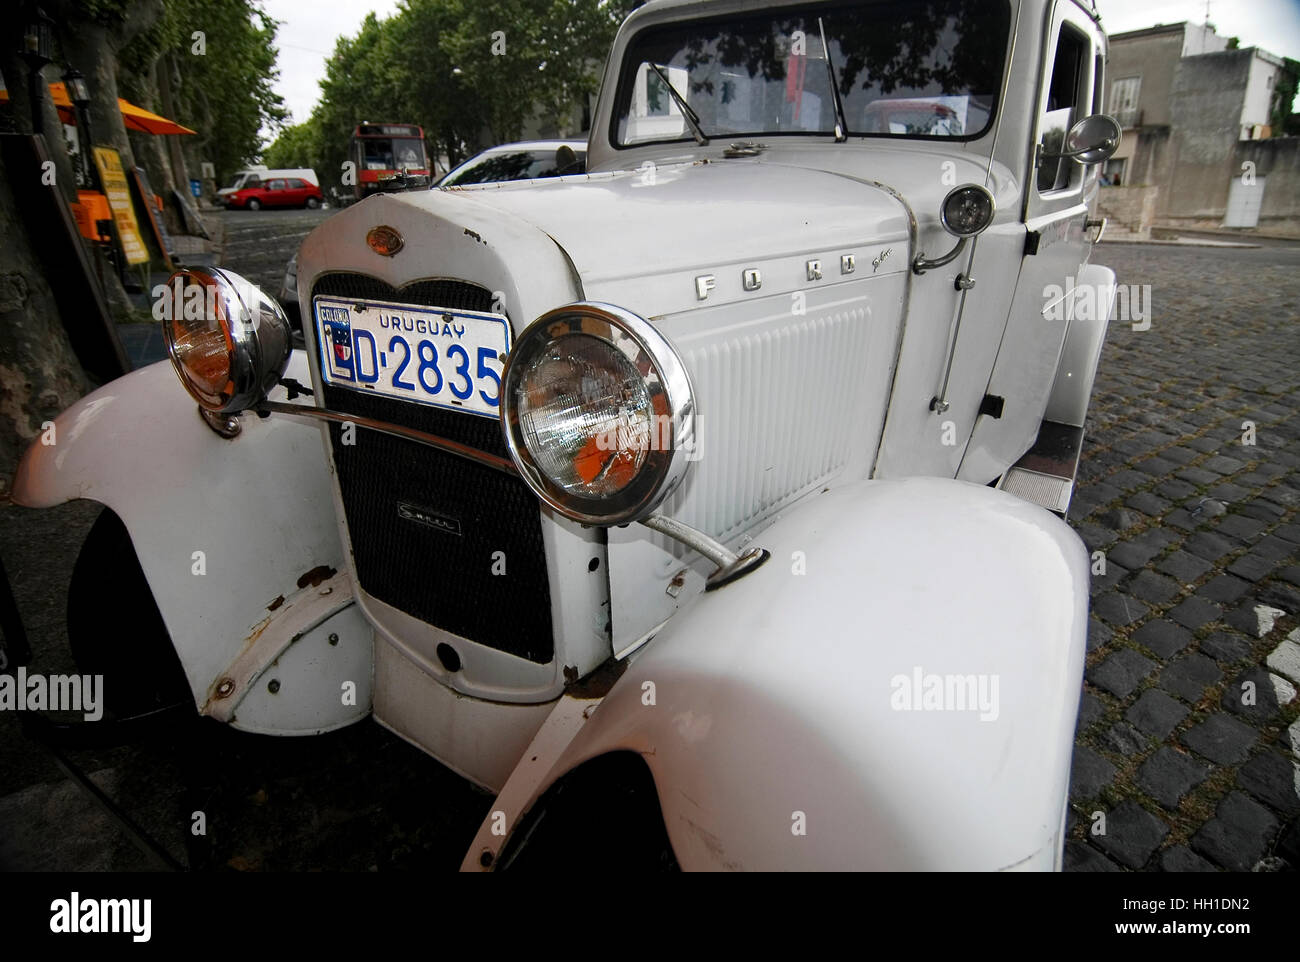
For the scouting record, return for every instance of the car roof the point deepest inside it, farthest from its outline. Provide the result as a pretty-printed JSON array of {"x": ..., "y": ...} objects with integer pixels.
[{"x": 534, "y": 145}]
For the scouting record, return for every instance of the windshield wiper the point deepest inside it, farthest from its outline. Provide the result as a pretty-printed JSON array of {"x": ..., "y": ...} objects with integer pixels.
[
  {"x": 841, "y": 125},
  {"x": 691, "y": 116}
]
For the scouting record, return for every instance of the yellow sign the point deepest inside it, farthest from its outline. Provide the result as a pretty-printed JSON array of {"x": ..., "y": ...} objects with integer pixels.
[{"x": 119, "y": 199}]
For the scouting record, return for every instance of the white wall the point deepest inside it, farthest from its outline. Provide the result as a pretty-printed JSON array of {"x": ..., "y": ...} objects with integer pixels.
[
  {"x": 1198, "y": 39},
  {"x": 1259, "y": 92}
]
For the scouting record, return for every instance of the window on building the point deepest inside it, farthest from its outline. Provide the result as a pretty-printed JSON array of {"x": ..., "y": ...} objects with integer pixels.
[{"x": 1124, "y": 100}]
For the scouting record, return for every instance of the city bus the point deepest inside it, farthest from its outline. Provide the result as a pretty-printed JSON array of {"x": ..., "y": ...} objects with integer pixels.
[{"x": 383, "y": 151}]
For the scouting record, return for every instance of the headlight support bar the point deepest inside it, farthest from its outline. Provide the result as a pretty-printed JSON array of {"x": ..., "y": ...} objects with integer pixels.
[
  {"x": 504, "y": 465},
  {"x": 731, "y": 566}
]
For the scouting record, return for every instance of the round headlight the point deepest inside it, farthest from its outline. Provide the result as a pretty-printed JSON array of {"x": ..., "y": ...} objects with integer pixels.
[
  {"x": 598, "y": 413},
  {"x": 967, "y": 210},
  {"x": 228, "y": 341}
]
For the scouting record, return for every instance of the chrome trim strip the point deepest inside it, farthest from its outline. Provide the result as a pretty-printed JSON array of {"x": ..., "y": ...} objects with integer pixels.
[{"x": 432, "y": 440}]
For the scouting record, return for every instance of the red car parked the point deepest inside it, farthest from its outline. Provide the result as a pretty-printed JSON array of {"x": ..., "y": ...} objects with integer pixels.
[{"x": 280, "y": 192}]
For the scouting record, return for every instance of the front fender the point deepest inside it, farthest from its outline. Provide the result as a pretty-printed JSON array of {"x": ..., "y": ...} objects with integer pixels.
[
  {"x": 777, "y": 714},
  {"x": 225, "y": 530}
]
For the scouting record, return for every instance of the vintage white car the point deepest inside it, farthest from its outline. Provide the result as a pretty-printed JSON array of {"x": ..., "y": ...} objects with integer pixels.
[{"x": 707, "y": 505}]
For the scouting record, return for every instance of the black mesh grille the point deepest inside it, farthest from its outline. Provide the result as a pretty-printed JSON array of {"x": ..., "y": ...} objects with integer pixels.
[{"x": 442, "y": 578}]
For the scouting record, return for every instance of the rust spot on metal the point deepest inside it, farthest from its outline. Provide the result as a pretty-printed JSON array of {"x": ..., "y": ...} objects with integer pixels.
[
  {"x": 316, "y": 576},
  {"x": 275, "y": 604},
  {"x": 225, "y": 688},
  {"x": 475, "y": 234},
  {"x": 598, "y": 683},
  {"x": 257, "y": 631}
]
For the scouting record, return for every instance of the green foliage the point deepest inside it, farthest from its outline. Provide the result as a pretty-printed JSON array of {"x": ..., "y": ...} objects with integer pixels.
[
  {"x": 1286, "y": 123},
  {"x": 297, "y": 146},
  {"x": 224, "y": 93},
  {"x": 470, "y": 72}
]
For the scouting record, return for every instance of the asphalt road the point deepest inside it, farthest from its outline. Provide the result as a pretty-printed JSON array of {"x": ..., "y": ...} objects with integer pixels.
[
  {"x": 259, "y": 243},
  {"x": 1221, "y": 348}
]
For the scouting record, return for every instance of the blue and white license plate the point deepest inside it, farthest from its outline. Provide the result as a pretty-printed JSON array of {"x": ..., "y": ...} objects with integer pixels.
[{"x": 448, "y": 358}]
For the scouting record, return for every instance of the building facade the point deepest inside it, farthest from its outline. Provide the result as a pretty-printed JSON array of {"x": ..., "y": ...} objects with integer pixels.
[{"x": 1197, "y": 131}]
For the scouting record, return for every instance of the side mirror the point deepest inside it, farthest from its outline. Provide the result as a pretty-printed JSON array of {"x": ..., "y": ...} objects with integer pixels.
[{"x": 1091, "y": 141}]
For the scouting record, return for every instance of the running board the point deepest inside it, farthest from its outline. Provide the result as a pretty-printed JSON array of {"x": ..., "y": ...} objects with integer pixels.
[{"x": 1045, "y": 474}]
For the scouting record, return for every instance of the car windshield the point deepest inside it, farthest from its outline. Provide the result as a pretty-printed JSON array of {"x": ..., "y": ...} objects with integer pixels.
[
  {"x": 916, "y": 69},
  {"x": 515, "y": 165}
]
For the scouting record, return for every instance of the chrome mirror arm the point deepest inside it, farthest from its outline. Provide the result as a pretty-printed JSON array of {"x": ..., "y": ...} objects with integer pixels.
[
  {"x": 730, "y": 565},
  {"x": 921, "y": 264}
]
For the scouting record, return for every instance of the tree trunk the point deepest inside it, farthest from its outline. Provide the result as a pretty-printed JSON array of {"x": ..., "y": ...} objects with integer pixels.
[
  {"x": 39, "y": 374},
  {"x": 16, "y": 77},
  {"x": 92, "y": 48},
  {"x": 163, "y": 74},
  {"x": 87, "y": 48}
]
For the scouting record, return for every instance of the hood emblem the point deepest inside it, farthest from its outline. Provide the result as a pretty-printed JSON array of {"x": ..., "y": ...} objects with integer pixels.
[{"x": 384, "y": 240}]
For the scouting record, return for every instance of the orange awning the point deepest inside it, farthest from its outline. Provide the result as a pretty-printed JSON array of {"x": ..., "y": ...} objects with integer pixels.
[{"x": 135, "y": 118}]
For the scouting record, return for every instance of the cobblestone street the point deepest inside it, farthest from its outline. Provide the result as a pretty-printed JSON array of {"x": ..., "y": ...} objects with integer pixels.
[{"x": 1186, "y": 758}]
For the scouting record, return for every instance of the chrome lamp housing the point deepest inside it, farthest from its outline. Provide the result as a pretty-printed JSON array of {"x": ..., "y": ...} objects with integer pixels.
[
  {"x": 598, "y": 413},
  {"x": 228, "y": 341}
]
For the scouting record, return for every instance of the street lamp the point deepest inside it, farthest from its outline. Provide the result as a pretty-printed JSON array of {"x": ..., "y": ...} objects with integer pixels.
[
  {"x": 79, "y": 93},
  {"x": 38, "y": 40},
  {"x": 75, "y": 82}
]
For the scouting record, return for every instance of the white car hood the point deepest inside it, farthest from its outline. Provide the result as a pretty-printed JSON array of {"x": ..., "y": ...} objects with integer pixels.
[{"x": 688, "y": 217}]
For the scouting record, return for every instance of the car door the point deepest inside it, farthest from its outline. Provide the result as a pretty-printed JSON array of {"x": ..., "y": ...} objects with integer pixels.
[
  {"x": 1055, "y": 207},
  {"x": 276, "y": 193}
]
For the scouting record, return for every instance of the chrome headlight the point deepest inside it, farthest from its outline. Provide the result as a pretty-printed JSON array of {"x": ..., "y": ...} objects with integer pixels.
[
  {"x": 228, "y": 341},
  {"x": 598, "y": 413}
]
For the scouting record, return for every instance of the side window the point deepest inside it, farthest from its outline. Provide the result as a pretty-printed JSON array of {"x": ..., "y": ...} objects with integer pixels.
[
  {"x": 297, "y": 184},
  {"x": 1066, "y": 105},
  {"x": 275, "y": 185},
  {"x": 253, "y": 181}
]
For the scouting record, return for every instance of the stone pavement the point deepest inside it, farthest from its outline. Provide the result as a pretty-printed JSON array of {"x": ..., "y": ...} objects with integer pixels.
[{"x": 1188, "y": 495}]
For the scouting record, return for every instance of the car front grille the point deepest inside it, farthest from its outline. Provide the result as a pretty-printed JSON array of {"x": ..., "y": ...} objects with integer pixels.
[{"x": 427, "y": 526}]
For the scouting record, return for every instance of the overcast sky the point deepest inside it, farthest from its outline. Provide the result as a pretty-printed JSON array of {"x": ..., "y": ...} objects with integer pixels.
[{"x": 310, "y": 27}]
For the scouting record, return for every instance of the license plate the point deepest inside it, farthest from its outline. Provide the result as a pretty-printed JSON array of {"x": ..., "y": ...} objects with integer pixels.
[{"x": 447, "y": 358}]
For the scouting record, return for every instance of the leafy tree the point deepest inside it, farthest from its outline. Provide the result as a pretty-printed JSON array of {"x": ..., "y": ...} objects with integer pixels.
[
  {"x": 470, "y": 72},
  {"x": 219, "y": 57},
  {"x": 296, "y": 146},
  {"x": 1286, "y": 123}
]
